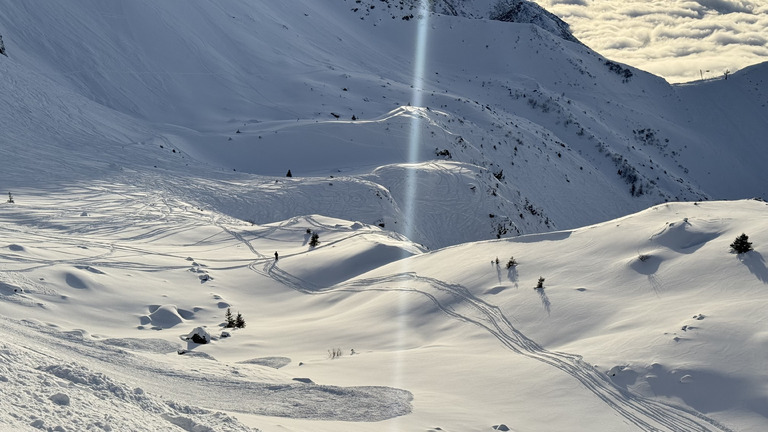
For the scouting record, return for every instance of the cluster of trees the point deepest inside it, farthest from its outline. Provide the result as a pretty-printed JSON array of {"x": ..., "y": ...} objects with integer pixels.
[
  {"x": 234, "y": 322},
  {"x": 314, "y": 239}
]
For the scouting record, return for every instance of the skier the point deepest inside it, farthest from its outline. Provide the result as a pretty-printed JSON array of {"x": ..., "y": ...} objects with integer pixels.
[{"x": 275, "y": 255}]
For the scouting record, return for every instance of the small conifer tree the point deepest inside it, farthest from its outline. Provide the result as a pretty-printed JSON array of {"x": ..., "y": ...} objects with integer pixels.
[
  {"x": 2, "y": 47},
  {"x": 741, "y": 244},
  {"x": 230, "y": 319},
  {"x": 288, "y": 174},
  {"x": 511, "y": 263},
  {"x": 239, "y": 321},
  {"x": 540, "y": 284},
  {"x": 314, "y": 240},
  {"x": 10, "y": 198}
]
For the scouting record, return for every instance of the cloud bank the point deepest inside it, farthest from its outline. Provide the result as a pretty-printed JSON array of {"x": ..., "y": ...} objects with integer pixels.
[{"x": 680, "y": 40}]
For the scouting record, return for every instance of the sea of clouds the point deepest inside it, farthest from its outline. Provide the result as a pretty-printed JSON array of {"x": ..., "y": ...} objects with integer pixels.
[{"x": 680, "y": 40}]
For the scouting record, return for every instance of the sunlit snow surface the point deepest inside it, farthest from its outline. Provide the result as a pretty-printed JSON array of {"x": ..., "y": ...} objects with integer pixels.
[{"x": 646, "y": 321}]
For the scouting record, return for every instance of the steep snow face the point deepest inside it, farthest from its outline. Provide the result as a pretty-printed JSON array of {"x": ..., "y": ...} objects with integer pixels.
[
  {"x": 723, "y": 112},
  {"x": 535, "y": 131}
]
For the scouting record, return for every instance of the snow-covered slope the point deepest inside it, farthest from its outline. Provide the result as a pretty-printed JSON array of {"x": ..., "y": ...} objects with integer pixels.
[
  {"x": 545, "y": 126},
  {"x": 145, "y": 145},
  {"x": 647, "y": 322}
]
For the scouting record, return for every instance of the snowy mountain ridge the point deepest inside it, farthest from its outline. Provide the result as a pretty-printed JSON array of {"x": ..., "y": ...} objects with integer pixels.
[{"x": 516, "y": 11}]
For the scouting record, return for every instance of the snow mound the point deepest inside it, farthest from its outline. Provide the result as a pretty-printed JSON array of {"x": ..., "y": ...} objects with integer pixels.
[
  {"x": 165, "y": 316},
  {"x": 273, "y": 362},
  {"x": 75, "y": 281},
  {"x": 8, "y": 289},
  {"x": 199, "y": 335},
  {"x": 686, "y": 236}
]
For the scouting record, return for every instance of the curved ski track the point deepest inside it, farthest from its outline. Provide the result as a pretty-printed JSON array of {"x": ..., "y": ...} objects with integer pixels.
[{"x": 458, "y": 302}]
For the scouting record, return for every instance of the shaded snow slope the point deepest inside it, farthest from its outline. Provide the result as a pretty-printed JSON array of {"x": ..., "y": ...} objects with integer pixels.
[{"x": 554, "y": 135}]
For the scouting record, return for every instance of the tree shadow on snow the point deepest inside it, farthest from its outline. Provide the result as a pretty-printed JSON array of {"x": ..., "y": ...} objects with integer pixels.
[
  {"x": 544, "y": 299},
  {"x": 756, "y": 265},
  {"x": 512, "y": 274}
]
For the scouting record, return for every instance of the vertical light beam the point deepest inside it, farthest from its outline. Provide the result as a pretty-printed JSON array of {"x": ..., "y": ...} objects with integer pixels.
[
  {"x": 417, "y": 100},
  {"x": 411, "y": 185}
]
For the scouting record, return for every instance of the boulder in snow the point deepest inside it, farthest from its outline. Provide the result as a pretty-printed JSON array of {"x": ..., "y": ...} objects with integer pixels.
[
  {"x": 199, "y": 335},
  {"x": 60, "y": 399}
]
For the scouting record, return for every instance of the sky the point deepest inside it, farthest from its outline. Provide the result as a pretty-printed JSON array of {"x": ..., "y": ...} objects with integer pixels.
[{"x": 680, "y": 40}]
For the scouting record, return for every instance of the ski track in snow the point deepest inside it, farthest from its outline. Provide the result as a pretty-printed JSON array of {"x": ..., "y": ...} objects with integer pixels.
[
  {"x": 456, "y": 301},
  {"x": 113, "y": 243},
  {"x": 295, "y": 400}
]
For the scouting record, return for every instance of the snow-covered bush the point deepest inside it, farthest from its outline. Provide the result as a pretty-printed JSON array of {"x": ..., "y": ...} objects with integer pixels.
[{"x": 511, "y": 263}]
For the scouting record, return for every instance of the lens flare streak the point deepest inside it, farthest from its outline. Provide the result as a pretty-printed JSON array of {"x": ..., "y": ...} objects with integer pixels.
[{"x": 411, "y": 183}]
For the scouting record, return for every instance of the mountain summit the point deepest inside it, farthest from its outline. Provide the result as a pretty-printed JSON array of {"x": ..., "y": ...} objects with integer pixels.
[
  {"x": 521, "y": 11},
  {"x": 516, "y": 11}
]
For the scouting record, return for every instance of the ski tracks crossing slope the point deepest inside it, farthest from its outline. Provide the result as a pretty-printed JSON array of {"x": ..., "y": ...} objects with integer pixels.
[{"x": 458, "y": 302}]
